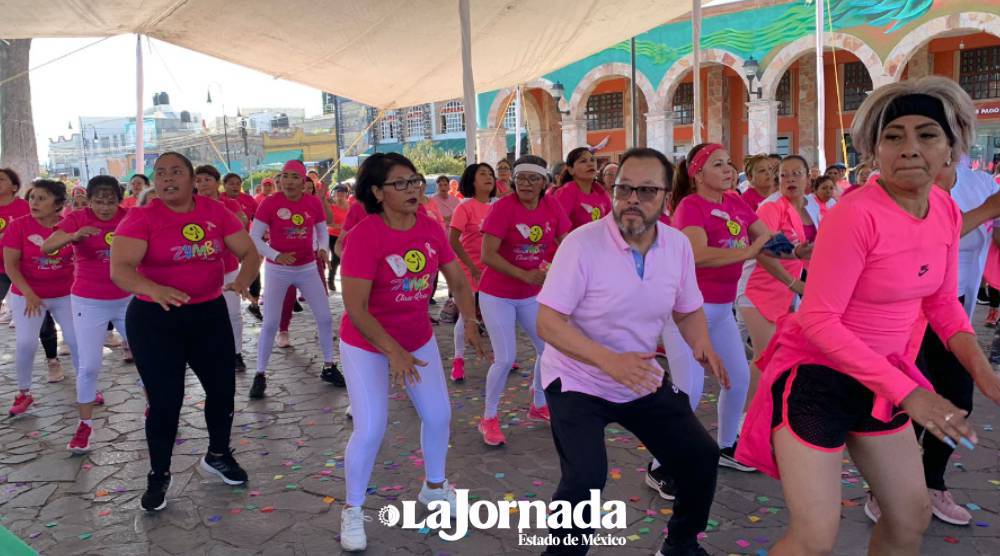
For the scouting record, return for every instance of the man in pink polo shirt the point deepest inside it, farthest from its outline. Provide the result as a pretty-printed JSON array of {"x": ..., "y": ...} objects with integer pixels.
[{"x": 608, "y": 294}]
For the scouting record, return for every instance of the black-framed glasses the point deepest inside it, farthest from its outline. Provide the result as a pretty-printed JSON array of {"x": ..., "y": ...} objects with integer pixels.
[
  {"x": 403, "y": 185},
  {"x": 645, "y": 193},
  {"x": 530, "y": 178}
]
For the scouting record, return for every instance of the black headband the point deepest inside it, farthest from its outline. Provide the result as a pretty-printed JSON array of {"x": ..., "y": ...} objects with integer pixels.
[{"x": 916, "y": 104}]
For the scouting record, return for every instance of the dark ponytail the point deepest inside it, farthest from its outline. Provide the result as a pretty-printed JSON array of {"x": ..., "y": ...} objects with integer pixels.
[{"x": 683, "y": 183}]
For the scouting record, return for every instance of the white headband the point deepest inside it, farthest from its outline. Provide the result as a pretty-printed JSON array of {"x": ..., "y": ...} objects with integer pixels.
[{"x": 527, "y": 167}]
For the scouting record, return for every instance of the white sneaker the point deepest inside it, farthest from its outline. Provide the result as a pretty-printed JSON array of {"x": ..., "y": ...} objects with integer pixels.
[
  {"x": 352, "y": 529},
  {"x": 111, "y": 340},
  {"x": 446, "y": 494},
  {"x": 347, "y": 412},
  {"x": 5, "y": 315}
]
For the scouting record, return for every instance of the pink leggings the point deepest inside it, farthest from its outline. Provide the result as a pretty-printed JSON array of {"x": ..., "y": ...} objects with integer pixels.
[{"x": 289, "y": 302}]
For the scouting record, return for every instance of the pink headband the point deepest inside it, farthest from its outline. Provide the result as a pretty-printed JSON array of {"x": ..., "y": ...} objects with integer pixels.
[
  {"x": 701, "y": 157},
  {"x": 295, "y": 166}
]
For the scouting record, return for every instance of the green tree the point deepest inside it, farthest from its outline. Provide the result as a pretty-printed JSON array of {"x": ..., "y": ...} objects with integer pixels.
[
  {"x": 432, "y": 160},
  {"x": 345, "y": 173}
]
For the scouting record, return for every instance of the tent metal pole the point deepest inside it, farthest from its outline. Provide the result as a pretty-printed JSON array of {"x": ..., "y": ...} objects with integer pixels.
[
  {"x": 634, "y": 97},
  {"x": 140, "y": 135},
  {"x": 468, "y": 84},
  {"x": 519, "y": 122},
  {"x": 820, "y": 90},
  {"x": 696, "y": 68}
]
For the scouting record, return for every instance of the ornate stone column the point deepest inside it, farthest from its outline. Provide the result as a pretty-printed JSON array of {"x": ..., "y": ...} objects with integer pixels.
[
  {"x": 574, "y": 134},
  {"x": 660, "y": 132},
  {"x": 762, "y": 126}
]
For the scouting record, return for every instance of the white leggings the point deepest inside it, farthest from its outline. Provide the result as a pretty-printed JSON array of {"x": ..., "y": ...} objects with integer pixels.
[
  {"x": 367, "y": 375},
  {"x": 728, "y": 344},
  {"x": 26, "y": 333},
  {"x": 501, "y": 317},
  {"x": 90, "y": 322},
  {"x": 460, "y": 337},
  {"x": 235, "y": 315},
  {"x": 277, "y": 280},
  {"x": 685, "y": 372}
]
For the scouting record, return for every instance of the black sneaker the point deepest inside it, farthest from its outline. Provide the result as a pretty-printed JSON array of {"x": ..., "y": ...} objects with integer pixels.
[
  {"x": 433, "y": 301},
  {"x": 689, "y": 548},
  {"x": 259, "y": 385},
  {"x": 658, "y": 480},
  {"x": 254, "y": 310},
  {"x": 982, "y": 298},
  {"x": 155, "y": 497},
  {"x": 333, "y": 375},
  {"x": 225, "y": 467},
  {"x": 727, "y": 458},
  {"x": 297, "y": 308},
  {"x": 241, "y": 367}
]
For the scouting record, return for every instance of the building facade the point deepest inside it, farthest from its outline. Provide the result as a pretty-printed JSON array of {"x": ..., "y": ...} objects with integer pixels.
[{"x": 773, "y": 109}]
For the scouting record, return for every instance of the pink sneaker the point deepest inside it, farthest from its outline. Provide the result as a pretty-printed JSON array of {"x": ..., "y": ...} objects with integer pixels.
[
  {"x": 80, "y": 444},
  {"x": 539, "y": 413},
  {"x": 21, "y": 404},
  {"x": 458, "y": 371},
  {"x": 871, "y": 508},
  {"x": 99, "y": 399},
  {"x": 490, "y": 428},
  {"x": 943, "y": 507}
]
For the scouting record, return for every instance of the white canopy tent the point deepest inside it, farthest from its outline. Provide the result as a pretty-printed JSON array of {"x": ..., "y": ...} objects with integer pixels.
[{"x": 386, "y": 53}]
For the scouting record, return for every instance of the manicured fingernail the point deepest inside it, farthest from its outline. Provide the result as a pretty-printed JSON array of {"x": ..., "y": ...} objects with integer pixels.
[
  {"x": 967, "y": 443},
  {"x": 950, "y": 442}
]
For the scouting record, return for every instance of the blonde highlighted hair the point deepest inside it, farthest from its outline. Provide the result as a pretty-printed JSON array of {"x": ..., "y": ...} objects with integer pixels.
[{"x": 959, "y": 111}]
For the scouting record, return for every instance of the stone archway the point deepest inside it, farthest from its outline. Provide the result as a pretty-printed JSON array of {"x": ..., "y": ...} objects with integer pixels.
[
  {"x": 794, "y": 50},
  {"x": 578, "y": 101},
  {"x": 675, "y": 74},
  {"x": 897, "y": 59}
]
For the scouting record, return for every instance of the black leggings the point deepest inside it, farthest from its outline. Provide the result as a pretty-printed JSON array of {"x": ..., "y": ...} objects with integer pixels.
[
  {"x": 164, "y": 343},
  {"x": 994, "y": 296},
  {"x": 663, "y": 422},
  {"x": 334, "y": 262},
  {"x": 951, "y": 381}
]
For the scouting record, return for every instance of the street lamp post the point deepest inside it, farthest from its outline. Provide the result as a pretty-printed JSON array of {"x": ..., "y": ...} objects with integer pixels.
[{"x": 225, "y": 124}]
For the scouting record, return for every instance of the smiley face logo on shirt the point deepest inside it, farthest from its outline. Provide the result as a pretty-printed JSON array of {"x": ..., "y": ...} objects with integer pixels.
[
  {"x": 595, "y": 213},
  {"x": 108, "y": 237},
  {"x": 734, "y": 227},
  {"x": 415, "y": 260},
  {"x": 535, "y": 233},
  {"x": 3, "y": 223},
  {"x": 193, "y": 232},
  {"x": 297, "y": 219}
]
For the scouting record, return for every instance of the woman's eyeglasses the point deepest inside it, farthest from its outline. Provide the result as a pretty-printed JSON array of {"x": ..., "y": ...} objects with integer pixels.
[
  {"x": 533, "y": 179},
  {"x": 403, "y": 185}
]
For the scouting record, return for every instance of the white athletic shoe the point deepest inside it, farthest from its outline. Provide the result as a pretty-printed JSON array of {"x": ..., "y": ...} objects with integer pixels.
[
  {"x": 352, "y": 529},
  {"x": 347, "y": 412},
  {"x": 446, "y": 494},
  {"x": 5, "y": 315}
]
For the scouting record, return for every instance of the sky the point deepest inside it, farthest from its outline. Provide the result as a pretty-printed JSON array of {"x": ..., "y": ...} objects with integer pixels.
[{"x": 99, "y": 81}]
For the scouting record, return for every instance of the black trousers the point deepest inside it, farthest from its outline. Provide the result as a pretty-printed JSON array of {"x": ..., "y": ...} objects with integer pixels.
[
  {"x": 994, "y": 296},
  {"x": 663, "y": 422},
  {"x": 164, "y": 343},
  {"x": 952, "y": 382},
  {"x": 255, "y": 287}
]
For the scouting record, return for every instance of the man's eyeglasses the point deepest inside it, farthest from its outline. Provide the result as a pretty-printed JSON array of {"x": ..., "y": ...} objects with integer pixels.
[
  {"x": 646, "y": 193},
  {"x": 403, "y": 185},
  {"x": 533, "y": 179}
]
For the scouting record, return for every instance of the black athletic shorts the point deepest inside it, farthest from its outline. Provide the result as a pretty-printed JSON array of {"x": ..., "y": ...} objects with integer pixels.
[{"x": 821, "y": 406}]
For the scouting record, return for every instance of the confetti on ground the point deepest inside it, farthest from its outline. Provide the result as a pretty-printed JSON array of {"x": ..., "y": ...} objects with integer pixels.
[
  {"x": 982, "y": 524},
  {"x": 85, "y": 536},
  {"x": 104, "y": 513},
  {"x": 537, "y": 483},
  {"x": 848, "y": 503},
  {"x": 214, "y": 518},
  {"x": 500, "y": 475},
  {"x": 633, "y": 538},
  {"x": 235, "y": 511},
  {"x": 763, "y": 499},
  {"x": 753, "y": 518},
  {"x": 101, "y": 493},
  {"x": 742, "y": 543},
  {"x": 951, "y": 540},
  {"x": 254, "y": 493},
  {"x": 51, "y": 524},
  {"x": 35, "y": 535},
  {"x": 267, "y": 509},
  {"x": 973, "y": 507},
  {"x": 328, "y": 499}
]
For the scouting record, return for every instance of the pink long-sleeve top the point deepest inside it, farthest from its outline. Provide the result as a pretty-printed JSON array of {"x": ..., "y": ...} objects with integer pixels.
[
  {"x": 873, "y": 270},
  {"x": 768, "y": 294}
]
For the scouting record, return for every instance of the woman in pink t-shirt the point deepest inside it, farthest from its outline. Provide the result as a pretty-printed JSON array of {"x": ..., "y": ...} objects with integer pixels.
[
  {"x": 771, "y": 284},
  {"x": 169, "y": 254},
  {"x": 11, "y": 208},
  {"x": 724, "y": 233},
  {"x": 478, "y": 186},
  {"x": 505, "y": 178},
  {"x": 835, "y": 374},
  {"x": 41, "y": 282},
  {"x": 520, "y": 233},
  {"x": 96, "y": 301},
  {"x": 385, "y": 335},
  {"x": 206, "y": 184},
  {"x": 759, "y": 169},
  {"x": 296, "y": 226},
  {"x": 583, "y": 198}
]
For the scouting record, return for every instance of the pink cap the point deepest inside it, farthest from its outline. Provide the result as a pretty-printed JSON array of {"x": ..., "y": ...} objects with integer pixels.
[{"x": 295, "y": 166}]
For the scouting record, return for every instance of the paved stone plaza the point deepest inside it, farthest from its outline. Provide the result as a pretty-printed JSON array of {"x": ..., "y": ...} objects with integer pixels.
[{"x": 292, "y": 444}]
